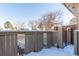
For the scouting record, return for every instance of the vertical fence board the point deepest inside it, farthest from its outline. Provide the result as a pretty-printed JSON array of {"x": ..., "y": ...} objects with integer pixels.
[
  {"x": 49, "y": 39},
  {"x": 13, "y": 44},
  {"x": 69, "y": 36},
  {"x": 7, "y": 44},
  {"x": 40, "y": 40},
  {"x": 29, "y": 42},
  {"x": 35, "y": 42},
  {"x": 1, "y": 45},
  {"x": 54, "y": 38},
  {"x": 78, "y": 43},
  {"x": 60, "y": 36},
  {"x": 45, "y": 40},
  {"x": 75, "y": 43}
]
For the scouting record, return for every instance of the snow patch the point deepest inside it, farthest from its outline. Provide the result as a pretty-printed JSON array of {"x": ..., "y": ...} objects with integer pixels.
[{"x": 53, "y": 51}]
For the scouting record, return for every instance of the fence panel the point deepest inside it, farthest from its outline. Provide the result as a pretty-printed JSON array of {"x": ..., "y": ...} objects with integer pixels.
[
  {"x": 60, "y": 38},
  {"x": 13, "y": 44},
  {"x": 49, "y": 39},
  {"x": 55, "y": 38},
  {"x": 39, "y": 40},
  {"x": 7, "y": 44},
  {"x": 29, "y": 42},
  {"x": 10, "y": 44}
]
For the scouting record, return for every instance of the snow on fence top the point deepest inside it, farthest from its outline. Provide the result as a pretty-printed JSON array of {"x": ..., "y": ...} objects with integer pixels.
[
  {"x": 26, "y": 31},
  {"x": 76, "y": 30}
]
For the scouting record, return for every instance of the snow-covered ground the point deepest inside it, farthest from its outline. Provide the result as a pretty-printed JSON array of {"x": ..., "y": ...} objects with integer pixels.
[
  {"x": 21, "y": 40},
  {"x": 53, "y": 51}
]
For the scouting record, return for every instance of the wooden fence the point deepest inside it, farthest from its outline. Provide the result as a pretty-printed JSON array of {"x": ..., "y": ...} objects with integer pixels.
[
  {"x": 37, "y": 40},
  {"x": 34, "y": 41},
  {"x": 68, "y": 34}
]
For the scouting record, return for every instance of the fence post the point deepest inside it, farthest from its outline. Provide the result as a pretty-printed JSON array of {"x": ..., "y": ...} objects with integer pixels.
[
  {"x": 76, "y": 43},
  {"x": 60, "y": 37},
  {"x": 69, "y": 36}
]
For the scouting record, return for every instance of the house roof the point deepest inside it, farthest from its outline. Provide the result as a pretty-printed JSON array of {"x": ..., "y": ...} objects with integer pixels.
[{"x": 73, "y": 8}]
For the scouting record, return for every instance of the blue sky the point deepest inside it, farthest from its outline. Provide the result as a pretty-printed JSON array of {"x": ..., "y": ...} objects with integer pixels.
[{"x": 30, "y": 11}]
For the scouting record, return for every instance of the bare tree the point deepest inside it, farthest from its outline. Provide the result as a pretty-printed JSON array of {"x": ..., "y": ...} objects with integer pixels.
[
  {"x": 20, "y": 25},
  {"x": 34, "y": 24},
  {"x": 48, "y": 20}
]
